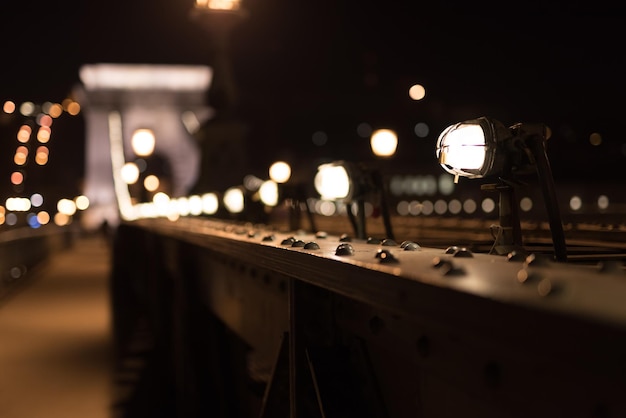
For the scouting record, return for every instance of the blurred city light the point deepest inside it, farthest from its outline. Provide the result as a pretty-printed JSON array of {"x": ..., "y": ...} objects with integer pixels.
[
  {"x": 280, "y": 172},
  {"x": 143, "y": 142},
  {"x": 384, "y": 142},
  {"x": 234, "y": 200},
  {"x": 417, "y": 92},
  {"x": 268, "y": 192}
]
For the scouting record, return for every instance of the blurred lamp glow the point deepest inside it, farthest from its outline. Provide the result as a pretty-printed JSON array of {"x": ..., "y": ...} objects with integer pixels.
[
  {"x": 195, "y": 205},
  {"x": 143, "y": 142},
  {"x": 130, "y": 173},
  {"x": 234, "y": 200},
  {"x": 151, "y": 183},
  {"x": 210, "y": 203},
  {"x": 384, "y": 142},
  {"x": 417, "y": 92},
  {"x": 268, "y": 192},
  {"x": 332, "y": 182},
  {"x": 218, "y": 4},
  {"x": 82, "y": 202},
  {"x": 280, "y": 172},
  {"x": 66, "y": 207}
]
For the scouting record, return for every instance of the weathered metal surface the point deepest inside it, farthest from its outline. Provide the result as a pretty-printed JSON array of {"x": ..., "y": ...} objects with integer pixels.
[{"x": 417, "y": 333}]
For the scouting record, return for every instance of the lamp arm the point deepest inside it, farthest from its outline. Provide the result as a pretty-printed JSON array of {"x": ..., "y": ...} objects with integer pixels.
[
  {"x": 536, "y": 145},
  {"x": 380, "y": 185},
  {"x": 353, "y": 221}
]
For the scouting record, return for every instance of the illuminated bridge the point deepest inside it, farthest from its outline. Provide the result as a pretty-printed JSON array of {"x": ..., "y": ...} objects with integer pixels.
[{"x": 408, "y": 298}]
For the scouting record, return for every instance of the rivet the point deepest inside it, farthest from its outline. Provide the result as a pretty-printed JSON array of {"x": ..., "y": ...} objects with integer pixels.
[
  {"x": 288, "y": 241},
  {"x": 437, "y": 261},
  {"x": 446, "y": 267},
  {"x": 344, "y": 249},
  {"x": 388, "y": 242},
  {"x": 321, "y": 234},
  {"x": 544, "y": 287},
  {"x": 449, "y": 269},
  {"x": 516, "y": 256},
  {"x": 268, "y": 238},
  {"x": 385, "y": 256},
  {"x": 345, "y": 238},
  {"x": 375, "y": 241},
  {"x": 311, "y": 246},
  {"x": 409, "y": 246},
  {"x": 451, "y": 250},
  {"x": 536, "y": 260},
  {"x": 297, "y": 243},
  {"x": 463, "y": 252},
  {"x": 523, "y": 276}
]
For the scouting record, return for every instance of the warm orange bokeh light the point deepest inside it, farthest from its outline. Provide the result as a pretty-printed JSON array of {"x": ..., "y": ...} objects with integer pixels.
[
  {"x": 8, "y": 107},
  {"x": 41, "y": 158},
  {"x": 17, "y": 178},
  {"x": 23, "y": 135},
  {"x": 43, "y": 134},
  {"x": 56, "y": 110},
  {"x": 73, "y": 108},
  {"x": 44, "y": 120},
  {"x": 21, "y": 154}
]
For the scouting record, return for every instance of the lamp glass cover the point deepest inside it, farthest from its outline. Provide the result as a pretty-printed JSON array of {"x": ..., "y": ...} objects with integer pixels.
[
  {"x": 332, "y": 182},
  {"x": 462, "y": 147}
]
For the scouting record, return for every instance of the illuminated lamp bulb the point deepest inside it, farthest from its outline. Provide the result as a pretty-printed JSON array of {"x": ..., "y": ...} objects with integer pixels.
[
  {"x": 332, "y": 181},
  {"x": 352, "y": 183}
]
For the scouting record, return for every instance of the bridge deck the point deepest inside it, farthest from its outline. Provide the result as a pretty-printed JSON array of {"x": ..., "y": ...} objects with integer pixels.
[{"x": 56, "y": 347}]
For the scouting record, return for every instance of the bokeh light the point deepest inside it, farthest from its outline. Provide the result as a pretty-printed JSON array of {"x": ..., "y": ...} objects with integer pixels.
[{"x": 280, "y": 172}]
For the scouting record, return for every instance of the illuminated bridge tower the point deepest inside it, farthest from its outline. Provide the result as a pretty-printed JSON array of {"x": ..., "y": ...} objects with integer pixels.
[{"x": 118, "y": 100}]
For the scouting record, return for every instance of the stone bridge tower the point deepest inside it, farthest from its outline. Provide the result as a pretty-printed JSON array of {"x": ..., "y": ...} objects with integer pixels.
[{"x": 118, "y": 99}]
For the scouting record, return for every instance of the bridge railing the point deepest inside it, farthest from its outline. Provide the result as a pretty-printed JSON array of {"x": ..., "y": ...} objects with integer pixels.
[
  {"x": 245, "y": 320},
  {"x": 23, "y": 249}
]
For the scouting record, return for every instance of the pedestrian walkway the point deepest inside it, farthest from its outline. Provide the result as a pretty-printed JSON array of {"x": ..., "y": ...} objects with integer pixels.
[{"x": 56, "y": 356}]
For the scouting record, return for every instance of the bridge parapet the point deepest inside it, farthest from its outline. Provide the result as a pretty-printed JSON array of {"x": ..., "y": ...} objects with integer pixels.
[{"x": 254, "y": 321}]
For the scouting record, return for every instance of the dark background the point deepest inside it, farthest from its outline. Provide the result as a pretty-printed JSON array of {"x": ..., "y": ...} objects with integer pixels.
[{"x": 307, "y": 66}]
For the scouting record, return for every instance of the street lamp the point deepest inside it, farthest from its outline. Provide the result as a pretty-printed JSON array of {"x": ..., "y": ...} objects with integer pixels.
[
  {"x": 143, "y": 142},
  {"x": 353, "y": 183},
  {"x": 484, "y": 147},
  {"x": 219, "y": 17},
  {"x": 223, "y": 135},
  {"x": 384, "y": 142}
]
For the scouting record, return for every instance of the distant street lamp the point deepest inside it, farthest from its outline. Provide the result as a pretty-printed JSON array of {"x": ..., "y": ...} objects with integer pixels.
[
  {"x": 221, "y": 138},
  {"x": 384, "y": 142},
  {"x": 143, "y": 142},
  {"x": 219, "y": 17},
  {"x": 353, "y": 183}
]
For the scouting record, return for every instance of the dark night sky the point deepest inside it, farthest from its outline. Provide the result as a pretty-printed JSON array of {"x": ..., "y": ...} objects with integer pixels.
[{"x": 303, "y": 66}]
